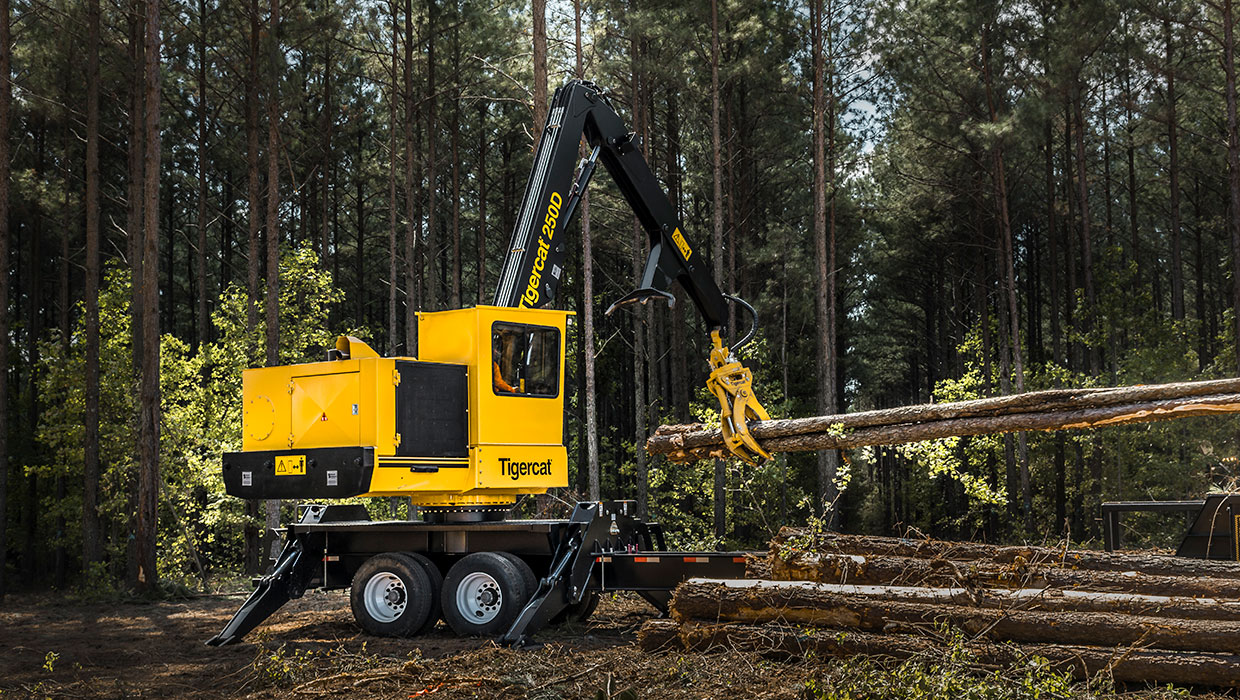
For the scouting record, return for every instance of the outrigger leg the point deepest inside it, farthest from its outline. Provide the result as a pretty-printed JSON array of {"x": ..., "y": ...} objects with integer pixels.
[{"x": 294, "y": 571}]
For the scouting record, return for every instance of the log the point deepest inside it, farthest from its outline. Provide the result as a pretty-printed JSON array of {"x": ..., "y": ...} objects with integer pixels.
[
  {"x": 807, "y": 593},
  {"x": 1083, "y": 662},
  {"x": 713, "y": 601},
  {"x": 834, "y": 543},
  {"x": 688, "y": 446},
  {"x": 1029, "y": 402},
  {"x": 885, "y": 570}
]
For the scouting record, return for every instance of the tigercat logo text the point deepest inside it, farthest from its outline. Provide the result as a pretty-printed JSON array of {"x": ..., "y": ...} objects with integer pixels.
[
  {"x": 531, "y": 295},
  {"x": 516, "y": 470}
]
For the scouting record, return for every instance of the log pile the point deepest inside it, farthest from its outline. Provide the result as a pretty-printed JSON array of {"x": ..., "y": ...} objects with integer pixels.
[
  {"x": 1057, "y": 409},
  {"x": 1139, "y": 618}
]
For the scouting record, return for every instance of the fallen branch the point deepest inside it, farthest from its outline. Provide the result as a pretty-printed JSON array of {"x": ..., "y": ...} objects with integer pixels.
[{"x": 845, "y": 431}]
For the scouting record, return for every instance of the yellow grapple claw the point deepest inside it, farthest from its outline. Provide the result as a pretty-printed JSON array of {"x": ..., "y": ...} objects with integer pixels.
[{"x": 732, "y": 384}]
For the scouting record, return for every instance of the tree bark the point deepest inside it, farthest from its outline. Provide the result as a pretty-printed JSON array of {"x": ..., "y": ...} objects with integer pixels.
[
  {"x": 1123, "y": 665},
  {"x": 1084, "y": 560},
  {"x": 1233, "y": 164},
  {"x": 393, "y": 112},
  {"x": 430, "y": 273},
  {"x": 716, "y": 145},
  {"x": 149, "y": 409},
  {"x": 273, "y": 233},
  {"x": 200, "y": 257},
  {"x": 905, "y": 571},
  {"x": 640, "y": 340},
  {"x": 669, "y": 437},
  {"x": 766, "y": 601},
  {"x": 481, "y": 240},
  {"x": 92, "y": 543},
  {"x": 587, "y": 309},
  {"x": 413, "y": 225},
  {"x": 710, "y": 444},
  {"x": 1173, "y": 175},
  {"x": 538, "y": 10},
  {"x": 6, "y": 96},
  {"x": 824, "y": 256}
]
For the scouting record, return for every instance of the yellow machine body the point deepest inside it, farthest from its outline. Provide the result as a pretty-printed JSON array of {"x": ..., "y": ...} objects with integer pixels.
[{"x": 475, "y": 420}]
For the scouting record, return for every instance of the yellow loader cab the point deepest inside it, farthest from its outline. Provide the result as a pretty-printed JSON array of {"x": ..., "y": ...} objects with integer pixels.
[{"x": 463, "y": 429}]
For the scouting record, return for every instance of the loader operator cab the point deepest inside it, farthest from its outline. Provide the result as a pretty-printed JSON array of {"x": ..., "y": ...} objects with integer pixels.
[{"x": 464, "y": 429}]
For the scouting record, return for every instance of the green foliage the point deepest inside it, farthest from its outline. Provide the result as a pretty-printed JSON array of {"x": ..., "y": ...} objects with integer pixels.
[
  {"x": 201, "y": 419},
  {"x": 953, "y": 674}
]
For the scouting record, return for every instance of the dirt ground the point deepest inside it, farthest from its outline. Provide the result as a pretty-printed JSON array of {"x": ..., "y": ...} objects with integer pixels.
[{"x": 312, "y": 649}]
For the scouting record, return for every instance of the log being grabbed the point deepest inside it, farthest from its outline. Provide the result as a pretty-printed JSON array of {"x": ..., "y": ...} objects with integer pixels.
[{"x": 1056, "y": 409}]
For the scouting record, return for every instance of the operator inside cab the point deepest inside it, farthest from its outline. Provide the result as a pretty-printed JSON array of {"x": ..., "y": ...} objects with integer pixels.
[
  {"x": 497, "y": 375},
  {"x": 525, "y": 360}
]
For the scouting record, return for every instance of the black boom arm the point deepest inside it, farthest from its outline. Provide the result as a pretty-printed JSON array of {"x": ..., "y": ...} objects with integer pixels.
[{"x": 534, "y": 264}]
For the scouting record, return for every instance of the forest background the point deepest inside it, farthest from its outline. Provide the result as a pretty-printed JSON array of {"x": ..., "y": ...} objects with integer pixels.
[{"x": 927, "y": 200}]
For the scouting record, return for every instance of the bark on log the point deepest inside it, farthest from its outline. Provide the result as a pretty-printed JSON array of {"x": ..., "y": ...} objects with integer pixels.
[
  {"x": 867, "y": 545},
  {"x": 713, "y": 601},
  {"x": 1123, "y": 665},
  {"x": 846, "y": 432},
  {"x": 1049, "y": 600},
  {"x": 858, "y": 569}
]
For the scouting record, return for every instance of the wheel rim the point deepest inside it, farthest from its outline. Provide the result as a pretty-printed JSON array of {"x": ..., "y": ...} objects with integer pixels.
[
  {"x": 479, "y": 598},
  {"x": 385, "y": 596}
]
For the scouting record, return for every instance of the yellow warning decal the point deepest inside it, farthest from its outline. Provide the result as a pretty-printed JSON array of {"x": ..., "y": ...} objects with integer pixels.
[
  {"x": 682, "y": 244},
  {"x": 290, "y": 465}
]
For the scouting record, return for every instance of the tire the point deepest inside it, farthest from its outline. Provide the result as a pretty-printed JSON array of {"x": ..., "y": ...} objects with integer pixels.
[
  {"x": 436, "y": 579},
  {"x": 578, "y": 612},
  {"x": 391, "y": 595},
  {"x": 531, "y": 581},
  {"x": 483, "y": 593}
]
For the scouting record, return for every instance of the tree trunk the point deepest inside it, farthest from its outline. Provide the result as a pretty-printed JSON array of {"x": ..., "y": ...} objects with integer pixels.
[
  {"x": 393, "y": 111},
  {"x": 538, "y": 9},
  {"x": 716, "y": 601},
  {"x": 708, "y": 443},
  {"x": 481, "y": 234},
  {"x": 273, "y": 233},
  {"x": 1173, "y": 175},
  {"x": 716, "y": 143},
  {"x": 906, "y": 571},
  {"x": 1124, "y": 665},
  {"x": 769, "y": 599},
  {"x": 253, "y": 533},
  {"x": 456, "y": 169},
  {"x": 413, "y": 225},
  {"x": 1233, "y": 164},
  {"x": 1084, "y": 560},
  {"x": 200, "y": 257},
  {"x": 148, "y": 396},
  {"x": 6, "y": 96},
  {"x": 640, "y": 243},
  {"x": 587, "y": 309},
  {"x": 92, "y": 543},
  {"x": 824, "y": 257},
  {"x": 430, "y": 273}
]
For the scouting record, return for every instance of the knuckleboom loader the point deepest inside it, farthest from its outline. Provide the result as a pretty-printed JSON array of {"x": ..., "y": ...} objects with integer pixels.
[{"x": 473, "y": 423}]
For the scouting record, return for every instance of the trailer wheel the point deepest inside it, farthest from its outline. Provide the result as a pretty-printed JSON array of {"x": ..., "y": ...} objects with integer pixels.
[
  {"x": 483, "y": 593},
  {"x": 436, "y": 579},
  {"x": 391, "y": 595}
]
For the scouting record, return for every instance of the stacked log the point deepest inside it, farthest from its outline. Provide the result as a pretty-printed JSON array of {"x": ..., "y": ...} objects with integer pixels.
[
  {"x": 1056, "y": 409},
  {"x": 1141, "y": 618}
]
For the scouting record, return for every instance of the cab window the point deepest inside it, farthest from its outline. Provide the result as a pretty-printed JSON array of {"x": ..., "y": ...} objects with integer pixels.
[{"x": 525, "y": 360}]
